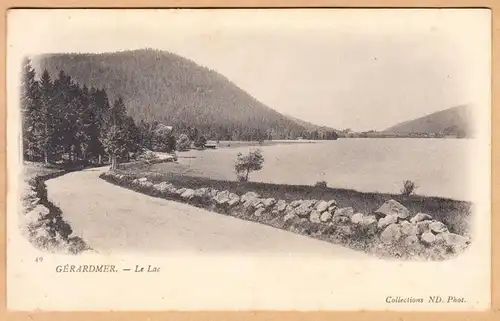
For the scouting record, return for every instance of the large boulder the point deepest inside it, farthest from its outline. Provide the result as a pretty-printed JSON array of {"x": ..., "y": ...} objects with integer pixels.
[
  {"x": 332, "y": 203},
  {"x": 428, "y": 238},
  {"x": 369, "y": 220},
  {"x": 180, "y": 191},
  {"x": 322, "y": 206},
  {"x": 258, "y": 203},
  {"x": 234, "y": 199},
  {"x": 202, "y": 193},
  {"x": 268, "y": 202},
  {"x": 357, "y": 218},
  {"x": 146, "y": 184},
  {"x": 456, "y": 243},
  {"x": 391, "y": 234},
  {"x": 248, "y": 196},
  {"x": 392, "y": 207},
  {"x": 438, "y": 227},
  {"x": 332, "y": 208},
  {"x": 253, "y": 204},
  {"x": 345, "y": 212},
  {"x": 289, "y": 215},
  {"x": 341, "y": 219},
  {"x": 325, "y": 216},
  {"x": 315, "y": 217},
  {"x": 234, "y": 196},
  {"x": 222, "y": 197},
  {"x": 423, "y": 226},
  {"x": 296, "y": 203},
  {"x": 420, "y": 217},
  {"x": 281, "y": 206},
  {"x": 408, "y": 228},
  {"x": 163, "y": 187},
  {"x": 214, "y": 192},
  {"x": 142, "y": 179},
  {"x": 368, "y": 223},
  {"x": 259, "y": 212},
  {"x": 188, "y": 194},
  {"x": 305, "y": 208},
  {"x": 386, "y": 221},
  {"x": 411, "y": 240}
]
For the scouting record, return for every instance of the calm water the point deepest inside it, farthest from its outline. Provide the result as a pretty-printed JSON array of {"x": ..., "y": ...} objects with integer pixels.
[{"x": 438, "y": 166}]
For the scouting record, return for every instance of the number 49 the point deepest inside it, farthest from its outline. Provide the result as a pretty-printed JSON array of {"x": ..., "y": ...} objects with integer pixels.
[{"x": 39, "y": 259}]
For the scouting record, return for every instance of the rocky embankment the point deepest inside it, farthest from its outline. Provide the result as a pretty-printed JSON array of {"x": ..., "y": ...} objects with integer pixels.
[
  {"x": 390, "y": 231},
  {"x": 42, "y": 223}
]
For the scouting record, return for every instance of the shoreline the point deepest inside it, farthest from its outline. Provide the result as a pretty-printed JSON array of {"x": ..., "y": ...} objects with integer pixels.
[{"x": 235, "y": 144}]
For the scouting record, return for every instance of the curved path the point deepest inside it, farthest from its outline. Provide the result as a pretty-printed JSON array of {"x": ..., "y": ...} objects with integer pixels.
[{"x": 114, "y": 219}]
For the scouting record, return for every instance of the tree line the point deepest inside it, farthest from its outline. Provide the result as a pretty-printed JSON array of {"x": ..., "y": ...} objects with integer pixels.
[{"x": 69, "y": 123}]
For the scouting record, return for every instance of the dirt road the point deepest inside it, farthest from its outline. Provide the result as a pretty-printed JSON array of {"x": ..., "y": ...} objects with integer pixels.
[{"x": 114, "y": 219}]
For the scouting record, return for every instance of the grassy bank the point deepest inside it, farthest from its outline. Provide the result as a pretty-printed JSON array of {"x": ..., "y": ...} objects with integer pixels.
[
  {"x": 41, "y": 222},
  {"x": 455, "y": 214},
  {"x": 388, "y": 230}
]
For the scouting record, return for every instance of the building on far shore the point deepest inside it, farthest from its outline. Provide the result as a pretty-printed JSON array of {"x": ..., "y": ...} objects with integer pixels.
[{"x": 211, "y": 144}]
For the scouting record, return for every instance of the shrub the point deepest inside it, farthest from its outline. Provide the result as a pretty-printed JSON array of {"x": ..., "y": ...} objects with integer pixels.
[
  {"x": 200, "y": 142},
  {"x": 183, "y": 143},
  {"x": 409, "y": 188},
  {"x": 149, "y": 156},
  {"x": 321, "y": 184}
]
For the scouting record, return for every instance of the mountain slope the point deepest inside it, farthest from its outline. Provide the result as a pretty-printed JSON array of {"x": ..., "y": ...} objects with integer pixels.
[
  {"x": 456, "y": 121},
  {"x": 165, "y": 87},
  {"x": 309, "y": 126}
]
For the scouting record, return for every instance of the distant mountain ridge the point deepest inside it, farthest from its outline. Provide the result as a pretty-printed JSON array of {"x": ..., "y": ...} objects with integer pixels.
[
  {"x": 161, "y": 86},
  {"x": 455, "y": 121}
]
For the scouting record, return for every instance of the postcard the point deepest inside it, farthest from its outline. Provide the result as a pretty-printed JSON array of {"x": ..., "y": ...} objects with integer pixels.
[{"x": 249, "y": 159}]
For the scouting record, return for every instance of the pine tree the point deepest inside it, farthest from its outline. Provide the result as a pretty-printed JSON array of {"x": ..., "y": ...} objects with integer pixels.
[
  {"x": 115, "y": 135},
  {"x": 30, "y": 108},
  {"x": 132, "y": 134},
  {"x": 89, "y": 142},
  {"x": 114, "y": 142},
  {"x": 64, "y": 116},
  {"x": 45, "y": 135},
  {"x": 117, "y": 113},
  {"x": 99, "y": 103}
]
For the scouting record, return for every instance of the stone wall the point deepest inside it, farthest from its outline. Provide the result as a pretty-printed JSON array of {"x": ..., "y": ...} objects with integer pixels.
[{"x": 390, "y": 231}]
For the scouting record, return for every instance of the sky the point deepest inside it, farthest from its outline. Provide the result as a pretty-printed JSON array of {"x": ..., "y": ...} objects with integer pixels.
[{"x": 360, "y": 69}]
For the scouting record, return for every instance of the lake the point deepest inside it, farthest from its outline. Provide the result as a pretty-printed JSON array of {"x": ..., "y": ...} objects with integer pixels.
[{"x": 439, "y": 167}]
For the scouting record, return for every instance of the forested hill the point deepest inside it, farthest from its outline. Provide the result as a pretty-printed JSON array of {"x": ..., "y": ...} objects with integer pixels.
[
  {"x": 309, "y": 126},
  {"x": 455, "y": 121},
  {"x": 161, "y": 86}
]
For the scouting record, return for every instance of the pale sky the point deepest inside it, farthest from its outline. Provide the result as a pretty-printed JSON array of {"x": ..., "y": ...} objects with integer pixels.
[{"x": 360, "y": 69}]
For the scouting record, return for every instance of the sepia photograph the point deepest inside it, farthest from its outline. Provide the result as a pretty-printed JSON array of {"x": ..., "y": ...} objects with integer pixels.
[{"x": 302, "y": 159}]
